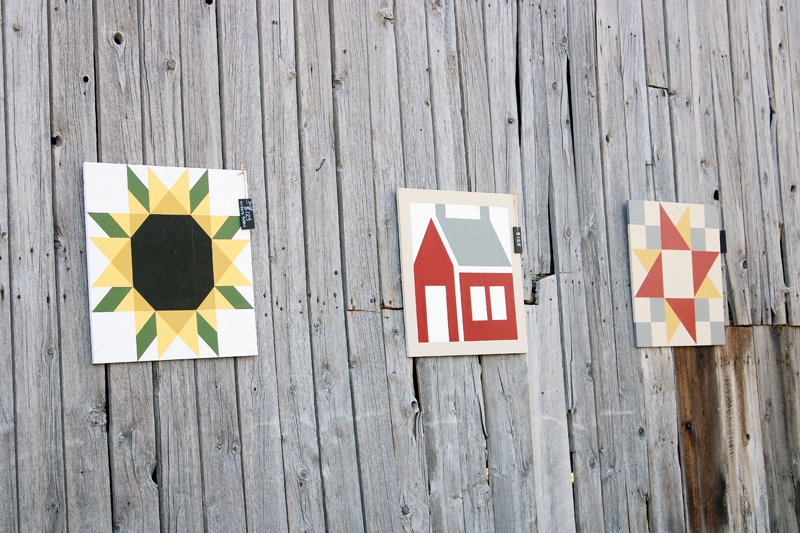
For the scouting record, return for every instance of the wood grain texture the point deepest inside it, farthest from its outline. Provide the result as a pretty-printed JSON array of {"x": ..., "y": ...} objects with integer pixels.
[
  {"x": 772, "y": 364},
  {"x": 654, "y": 43},
  {"x": 244, "y": 441},
  {"x": 34, "y": 335},
  {"x": 792, "y": 201},
  {"x": 296, "y": 383},
  {"x": 324, "y": 269},
  {"x": 569, "y": 268},
  {"x": 388, "y": 174},
  {"x": 782, "y": 121},
  {"x": 9, "y": 516},
  {"x": 74, "y": 126},
  {"x": 790, "y": 358},
  {"x": 359, "y": 240},
  {"x": 551, "y": 466},
  {"x": 534, "y": 144},
  {"x": 179, "y": 474},
  {"x": 661, "y": 186}
]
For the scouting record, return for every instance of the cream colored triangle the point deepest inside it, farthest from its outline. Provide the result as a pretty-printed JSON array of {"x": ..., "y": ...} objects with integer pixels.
[
  {"x": 684, "y": 228},
  {"x": 180, "y": 190},
  {"x": 134, "y": 206},
  {"x": 142, "y": 317},
  {"x": 189, "y": 334},
  {"x": 707, "y": 290},
  {"x": 111, "y": 277},
  {"x": 139, "y": 303},
  {"x": 176, "y": 319},
  {"x": 209, "y": 315},
  {"x": 672, "y": 321},
  {"x": 170, "y": 205},
  {"x": 647, "y": 257},
  {"x": 123, "y": 262},
  {"x": 157, "y": 189},
  {"x": 203, "y": 208},
  {"x": 165, "y": 333},
  {"x": 673, "y": 210},
  {"x": 127, "y": 303},
  {"x": 110, "y": 246}
]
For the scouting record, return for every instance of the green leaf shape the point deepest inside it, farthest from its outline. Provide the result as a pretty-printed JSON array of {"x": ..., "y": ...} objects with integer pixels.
[
  {"x": 229, "y": 228},
  {"x": 109, "y": 225},
  {"x": 112, "y": 299},
  {"x": 198, "y": 192},
  {"x": 234, "y": 297},
  {"x": 146, "y": 336},
  {"x": 138, "y": 189},
  {"x": 207, "y": 333}
]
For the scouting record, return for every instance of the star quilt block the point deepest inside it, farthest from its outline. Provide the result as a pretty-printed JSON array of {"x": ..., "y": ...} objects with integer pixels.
[
  {"x": 676, "y": 274},
  {"x": 169, "y": 267}
]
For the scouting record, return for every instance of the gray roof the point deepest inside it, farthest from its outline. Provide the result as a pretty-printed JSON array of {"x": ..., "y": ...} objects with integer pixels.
[{"x": 474, "y": 242}]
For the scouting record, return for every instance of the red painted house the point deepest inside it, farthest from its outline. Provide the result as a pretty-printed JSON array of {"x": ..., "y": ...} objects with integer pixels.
[{"x": 464, "y": 287}]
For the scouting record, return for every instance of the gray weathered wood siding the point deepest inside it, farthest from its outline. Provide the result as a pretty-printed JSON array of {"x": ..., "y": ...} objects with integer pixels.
[{"x": 575, "y": 106}]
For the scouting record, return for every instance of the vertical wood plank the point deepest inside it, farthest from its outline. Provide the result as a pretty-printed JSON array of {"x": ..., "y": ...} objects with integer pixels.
[
  {"x": 179, "y": 474},
  {"x": 654, "y": 43},
  {"x": 772, "y": 365},
  {"x": 34, "y": 320},
  {"x": 785, "y": 142},
  {"x": 74, "y": 126},
  {"x": 661, "y": 186},
  {"x": 8, "y": 466},
  {"x": 131, "y": 428},
  {"x": 534, "y": 145},
  {"x": 593, "y": 227},
  {"x": 247, "y": 447},
  {"x": 326, "y": 303},
  {"x": 790, "y": 358},
  {"x": 569, "y": 268},
  {"x": 389, "y": 174},
  {"x": 552, "y": 472},
  {"x": 296, "y": 384},
  {"x": 361, "y": 281}
]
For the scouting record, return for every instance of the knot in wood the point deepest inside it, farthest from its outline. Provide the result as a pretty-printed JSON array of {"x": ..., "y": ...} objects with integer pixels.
[{"x": 171, "y": 64}]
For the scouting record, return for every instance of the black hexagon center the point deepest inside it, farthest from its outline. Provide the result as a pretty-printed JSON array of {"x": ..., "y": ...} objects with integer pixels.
[{"x": 173, "y": 266}]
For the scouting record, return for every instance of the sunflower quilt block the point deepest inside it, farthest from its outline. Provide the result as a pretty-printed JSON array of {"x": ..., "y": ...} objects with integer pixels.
[
  {"x": 169, "y": 267},
  {"x": 676, "y": 274}
]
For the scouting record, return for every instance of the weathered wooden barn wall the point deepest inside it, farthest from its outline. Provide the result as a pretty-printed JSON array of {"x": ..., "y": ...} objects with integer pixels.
[{"x": 574, "y": 105}]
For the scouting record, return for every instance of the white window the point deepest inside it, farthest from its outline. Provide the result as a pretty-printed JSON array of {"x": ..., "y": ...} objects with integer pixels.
[
  {"x": 497, "y": 296},
  {"x": 436, "y": 301},
  {"x": 478, "y": 299}
]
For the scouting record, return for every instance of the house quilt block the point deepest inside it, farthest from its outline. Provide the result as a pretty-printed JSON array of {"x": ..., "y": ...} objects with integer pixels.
[
  {"x": 676, "y": 274},
  {"x": 462, "y": 281},
  {"x": 169, "y": 268}
]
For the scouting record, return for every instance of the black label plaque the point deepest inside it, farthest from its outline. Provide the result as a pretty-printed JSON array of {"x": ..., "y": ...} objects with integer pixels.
[{"x": 246, "y": 213}]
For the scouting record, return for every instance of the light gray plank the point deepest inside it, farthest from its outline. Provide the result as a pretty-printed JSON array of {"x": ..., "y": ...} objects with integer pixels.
[
  {"x": 354, "y": 168},
  {"x": 745, "y": 478},
  {"x": 661, "y": 186},
  {"x": 625, "y": 148},
  {"x": 389, "y": 174},
  {"x": 785, "y": 143},
  {"x": 246, "y": 446},
  {"x": 8, "y": 466},
  {"x": 296, "y": 387},
  {"x": 448, "y": 126},
  {"x": 534, "y": 147},
  {"x": 661, "y": 432},
  {"x": 179, "y": 474},
  {"x": 772, "y": 410},
  {"x": 750, "y": 171},
  {"x": 790, "y": 357},
  {"x": 505, "y": 383},
  {"x": 34, "y": 321},
  {"x": 654, "y": 43},
  {"x": 593, "y": 223},
  {"x": 131, "y": 429},
  {"x": 552, "y": 472},
  {"x": 714, "y": 20},
  {"x": 336, "y": 423},
  {"x": 775, "y": 287},
  {"x": 74, "y": 126},
  {"x": 569, "y": 267}
]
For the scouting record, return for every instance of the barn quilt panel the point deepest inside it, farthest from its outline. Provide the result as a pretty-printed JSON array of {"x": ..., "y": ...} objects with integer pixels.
[
  {"x": 169, "y": 268},
  {"x": 676, "y": 274},
  {"x": 462, "y": 281}
]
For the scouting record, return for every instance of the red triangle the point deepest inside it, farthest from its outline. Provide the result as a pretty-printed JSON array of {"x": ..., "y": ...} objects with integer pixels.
[
  {"x": 701, "y": 264},
  {"x": 684, "y": 310},
  {"x": 653, "y": 284},
  {"x": 671, "y": 238}
]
